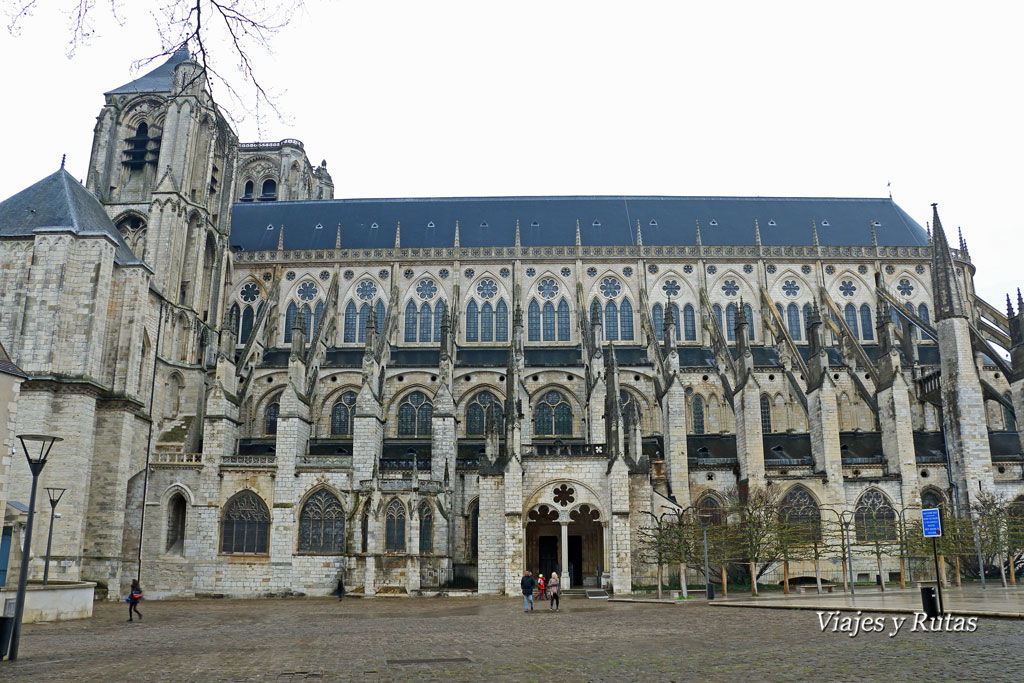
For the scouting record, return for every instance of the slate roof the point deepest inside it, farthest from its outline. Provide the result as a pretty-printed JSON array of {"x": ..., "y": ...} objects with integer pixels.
[
  {"x": 7, "y": 365},
  {"x": 551, "y": 221},
  {"x": 160, "y": 79},
  {"x": 59, "y": 202}
]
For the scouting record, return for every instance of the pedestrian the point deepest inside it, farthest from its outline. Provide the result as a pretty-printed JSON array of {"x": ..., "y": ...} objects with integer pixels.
[
  {"x": 541, "y": 594},
  {"x": 134, "y": 595},
  {"x": 554, "y": 590},
  {"x": 528, "y": 583},
  {"x": 341, "y": 588}
]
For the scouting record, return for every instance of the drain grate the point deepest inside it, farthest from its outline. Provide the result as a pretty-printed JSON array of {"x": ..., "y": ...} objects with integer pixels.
[
  {"x": 443, "y": 660},
  {"x": 597, "y": 594}
]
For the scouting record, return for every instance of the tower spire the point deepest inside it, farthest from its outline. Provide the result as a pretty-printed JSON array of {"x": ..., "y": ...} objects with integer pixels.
[
  {"x": 757, "y": 233},
  {"x": 814, "y": 232},
  {"x": 456, "y": 233},
  {"x": 337, "y": 240},
  {"x": 639, "y": 234},
  {"x": 517, "y": 234},
  {"x": 698, "y": 233},
  {"x": 945, "y": 290},
  {"x": 874, "y": 235},
  {"x": 280, "y": 239},
  {"x": 578, "y": 241},
  {"x": 398, "y": 236}
]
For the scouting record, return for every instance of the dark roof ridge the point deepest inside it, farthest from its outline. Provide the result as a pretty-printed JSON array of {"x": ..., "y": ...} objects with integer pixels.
[{"x": 582, "y": 197}]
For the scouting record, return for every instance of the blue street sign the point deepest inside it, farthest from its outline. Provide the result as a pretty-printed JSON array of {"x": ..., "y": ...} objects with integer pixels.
[{"x": 932, "y": 522}]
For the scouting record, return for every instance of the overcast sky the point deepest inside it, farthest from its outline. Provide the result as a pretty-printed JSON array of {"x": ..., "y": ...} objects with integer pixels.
[{"x": 463, "y": 99}]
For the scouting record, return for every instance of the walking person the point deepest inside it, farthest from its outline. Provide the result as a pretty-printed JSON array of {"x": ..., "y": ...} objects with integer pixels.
[
  {"x": 134, "y": 595},
  {"x": 554, "y": 591},
  {"x": 528, "y": 583},
  {"x": 541, "y": 595}
]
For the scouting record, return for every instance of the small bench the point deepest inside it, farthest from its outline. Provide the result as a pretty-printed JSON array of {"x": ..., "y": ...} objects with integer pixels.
[{"x": 825, "y": 588}]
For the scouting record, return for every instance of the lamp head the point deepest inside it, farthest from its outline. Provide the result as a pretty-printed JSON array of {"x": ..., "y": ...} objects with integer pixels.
[{"x": 37, "y": 447}]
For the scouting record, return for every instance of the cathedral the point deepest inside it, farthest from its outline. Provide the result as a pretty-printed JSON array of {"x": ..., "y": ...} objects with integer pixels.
[{"x": 263, "y": 390}]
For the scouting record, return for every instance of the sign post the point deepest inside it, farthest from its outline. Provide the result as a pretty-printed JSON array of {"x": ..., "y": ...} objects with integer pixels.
[{"x": 931, "y": 522}]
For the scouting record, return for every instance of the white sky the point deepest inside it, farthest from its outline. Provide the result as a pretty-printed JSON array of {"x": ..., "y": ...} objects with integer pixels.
[{"x": 541, "y": 98}]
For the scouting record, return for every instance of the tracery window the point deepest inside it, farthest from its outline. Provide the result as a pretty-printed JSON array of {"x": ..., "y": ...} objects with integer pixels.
[
  {"x": 766, "y": 414},
  {"x": 658, "y": 318},
  {"x": 364, "y": 317},
  {"x": 246, "y": 524},
  {"x": 533, "y": 321},
  {"x": 1009, "y": 420},
  {"x": 611, "y": 321},
  {"x": 439, "y": 309},
  {"x": 352, "y": 322},
  {"x": 596, "y": 313},
  {"x": 501, "y": 322},
  {"x": 689, "y": 322},
  {"x": 426, "y": 322},
  {"x": 322, "y": 524},
  {"x": 716, "y": 310},
  {"x": 476, "y": 413},
  {"x": 553, "y": 415},
  {"x": 341, "y": 414},
  {"x": 749, "y": 313},
  {"x": 698, "y": 415},
  {"x": 930, "y": 498},
  {"x": 850, "y": 314},
  {"x": 711, "y": 510},
  {"x": 289, "y": 321},
  {"x": 793, "y": 320},
  {"x": 394, "y": 527},
  {"x": 807, "y": 316},
  {"x": 487, "y": 323},
  {"x": 730, "y": 322},
  {"x": 874, "y": 517},
  {"x": 626, "y": 320},
  {"x": 411, "y": 320},
  {"x": 799, "y": 511},
  {"x": 414, "y": 415},
  {"x": 627, "y": 402},
  {"x": 922, "y": 313},
  {"x": 867, "y": 324},
  {"x": 426, "y": 528},
  {"x": 548, "y": 321},
  {"x": 270, "y": 418},
  {"x": 563, "y": 321}
]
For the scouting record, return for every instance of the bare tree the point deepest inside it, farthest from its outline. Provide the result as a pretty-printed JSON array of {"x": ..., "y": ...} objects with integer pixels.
[
  {"x": 755, "y": 535},
  {"x": 219, "y": 33}
]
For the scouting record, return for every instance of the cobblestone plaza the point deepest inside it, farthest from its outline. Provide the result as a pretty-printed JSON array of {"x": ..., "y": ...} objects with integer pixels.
[{"x": 491, "y": 638}]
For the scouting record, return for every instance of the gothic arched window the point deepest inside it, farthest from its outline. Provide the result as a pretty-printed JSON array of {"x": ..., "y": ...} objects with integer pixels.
[
  {"x": 176, "y": 510},
  {"x": 548, "y": 322},
  {"x": 922, "y": 313},
  {"x": 487, "y": 323},
  {"x": 627, "y": 402},
  {"x": 438, "y": 319},
  {"x": 501, "y": 322},
  {"x": 596, "y": 313},
  {"x": 472, "y": 322},
  {"x": 698, "y": 415},
  {"x": 248, "y": 193},
  {"x": 394, "y": 527},
  {"x": 716, "y": 310},
  {"x": 246, "y": 524},
  {"x": 793, "y": 320},
  {"x": 270, "y": 418},
  {"x": 351, "y": 322},
  {"x": 307, "y": 321},
  {"x": 611, "y": 321},
  {"x": 730, "y": 322},
  {"x": 341, "y": 414},
  {"x": 248, "y": 320},
  {"x": 411, "y": 318},
  {"x": 874, "y": 517},
  {"x": 318, "y": 312},
  {"x": 658, "y": 318},
  {"x": 766, "y": 414},
  {"x": 689, "y": 322},
  {"x": 807, "y": 316},
  {"x": 850, "y": 314},
  {"x": 711, "y": 510},
  {"x": 799, "y": 511},
  {"x": 364, "y": 317},
  {"x": 553, "y": 415},
  {"x": 930, "y": 498},
  {"x": 476, "y": 413},
  {"x": 626, "y": 320},
  {"x": 867, "y": 325},
  {"x": 749, "y": 313},
  {"x": 533, "y": 321},
  {"x": 269, "y": 190},
  {"x": 414, "y": 415},
  {"x": 426, "y": 528},
  {"x": 426, "y": 322},
  {"x": 322, "y": 524},
  {"x": 563, "y": 321},
  {"x": 289, "y": 321}
]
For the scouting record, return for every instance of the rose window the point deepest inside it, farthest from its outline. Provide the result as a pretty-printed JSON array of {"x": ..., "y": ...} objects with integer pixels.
[
  {"x": 687, "y": 269},
  {"x": 847, "y": 288},
  {"x": 610, "y": 287},
  {"x": 591, "y": 271},
  {"x": 712, "y": 270},
  {"x": 652, "y": 269},
  {"x": 250, "y": 292},
  {"x": 443, "y": 273},
  {"x": 547, "y": 288},
  {"x": 671, "y": 287},
  {"x": 730, "y": 288},
  {"x": 324, "y": 275},
  {"x": 564, "y": 494},
  {"x": 905, "y": 288},
  {"x": 790, "y": 288},
  {"x": 566, "y": 272},
  {"x": 426, "y": 289},
  {"x": 366, "y": 290},
  {"x": 383, "y": 274},
  {"x": 627, "y": 271},
  {"x": 505, "y": 272},
  {"x": 530, "y": 272},
  {"x": 469, "y": 272},
  {"x": 307, "y": 291},
  {"x": 487, "y": 288},
  {"x": 748, "y": 269}
]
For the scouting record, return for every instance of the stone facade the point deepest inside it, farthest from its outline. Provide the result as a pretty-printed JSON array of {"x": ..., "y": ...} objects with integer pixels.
[{"x": 261, "y": 400}]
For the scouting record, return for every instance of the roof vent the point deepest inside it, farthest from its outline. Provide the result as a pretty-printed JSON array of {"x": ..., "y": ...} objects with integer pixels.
[
  {"x": 771, "y": 222},
  {"x": 483, "y": 224},
  {"x": 777, "y": 449},
  {"x": 430, "y": 224},
  {"x": 876, "y": 224},
  {"x": 270, "y": 227},
  {"x": 596, "y": 223},
  {"x": 373, "y": 227},
  {"x": 713, "y": 222},
  {"x": 824, "y": 223},
  {"x": 318, "y": 227},
  {"x": 535, "y": 224},
  {"x": 654, "y": 222}
]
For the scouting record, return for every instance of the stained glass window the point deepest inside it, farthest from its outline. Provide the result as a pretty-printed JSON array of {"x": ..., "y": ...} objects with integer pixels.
[
  {"x": 270, "y": 418},
  {"x": 411, "y": 319},
  {"x": 595, "y": 313},
  {"x": 627, "y": 402},
  {"x": 626, "y": 320},
  {"x": 698, "y": 415},
  {"x": 394, "y": 527},
  {"x": 866, "y": 323},
  {"x": 248, "y": 320},
  {"x": 322, "y": 524},
  {"x": 658, "y": 318},
  {"x": 414, "y": 415},
  {"x": 438, "y": 319},
  {"x": 364, "y": 316},
  {"x": 476, "y": 413},
  {"x": 793, "y": 319},
  {"x": 549, "y": 322},
  {"x": 611, "y": 321},
  {"x": 289, "y": 321},
  {"x": 246, "y": 525},
  {"x": 801, "y": 516},
  {"x": 563, "y": 321},
  {"x": 711, "y": 510},
  {"x": 730, "y": 322},
  {"x": 766, "y": 414},
  {"x": 426, "y": 528},
  {"x": 749, "y": 312},
  {"x": 689, "y": 322},
  {"x": 487, "y": 323},
  {"x": 874, "y": 517},
  {"x": 351, "y": 321},
  {"x": 533, "y": 321},
  {"x": 426, "y": 322},
  {"x": 307, "y": 321},
  {"x": 341, "y": 414},
  {"x": 850, "y": 314},
  {"x": 472, "y": 322},
  {"x": 501, "y": 322},
  {"x": 922, "y": 313},
  {"x": 318, "y": 313},
  {"x": 553, "y": 415},
  {"x": 717, "y": 311}
]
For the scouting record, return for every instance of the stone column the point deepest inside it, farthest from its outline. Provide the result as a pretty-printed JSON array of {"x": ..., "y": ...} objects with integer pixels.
[
  {"x": 513, "y": 510},
  {"x": 674, "y": 420},
  {"x": 566, "y": 579},
  {"x": 823, "y": 419},
  {"x": 895, "y": 420},
  {"x": 293, "y": 429},
  {"x": 749, "y": 437},
  {"x": 373, "y": 533},
  {"x": 412, "y": 549},
  {"x": 619, "y": 506},
  {"x": 368, "y": 435}
]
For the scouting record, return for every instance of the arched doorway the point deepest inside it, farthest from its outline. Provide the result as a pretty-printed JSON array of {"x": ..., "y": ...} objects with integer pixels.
[{"x": 571, "y": 538}]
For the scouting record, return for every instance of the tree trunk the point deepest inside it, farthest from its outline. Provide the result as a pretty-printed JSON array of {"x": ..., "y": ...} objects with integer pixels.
[
  {"x": 1002, "y": 569},
  {"x": 842, "y": 570},
  {"x": 942, "y": 569},
  {"x": 817, "y": 574},
  {"x": 903, "y": 572},
  {"x": 956, "y": 563},
  {"x": 659, "y": 580},
  {"x": 881, "y": 576},
  {"x": 1010, "y": 569},
  {"x": 785, "y": 577},
  {"x": 725, "y": 581},
  {"x": 682, "y": 580},
  {"x": 753, "y": 579}
]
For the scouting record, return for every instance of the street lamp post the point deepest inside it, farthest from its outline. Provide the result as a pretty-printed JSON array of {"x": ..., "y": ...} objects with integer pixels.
[
  {"x": 849, "y": 552},
  {"x": 709, "y": 588},
  {"x": 54, "y": 494},
  {"x": 36, "y": 465}
]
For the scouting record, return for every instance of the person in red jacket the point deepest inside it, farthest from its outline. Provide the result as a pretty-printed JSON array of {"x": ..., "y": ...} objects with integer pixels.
[{"x": 541, "y": 592}]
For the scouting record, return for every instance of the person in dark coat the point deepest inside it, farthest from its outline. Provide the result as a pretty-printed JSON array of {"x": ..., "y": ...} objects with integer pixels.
[
  {"x": 134, "y": 595},
  {"x": 528, "y": 583}
]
